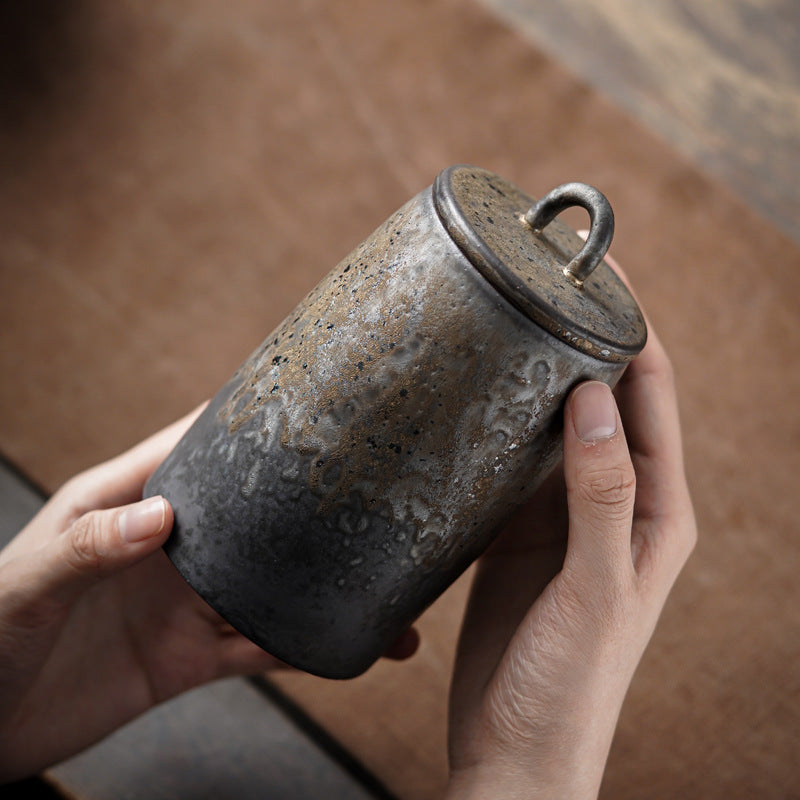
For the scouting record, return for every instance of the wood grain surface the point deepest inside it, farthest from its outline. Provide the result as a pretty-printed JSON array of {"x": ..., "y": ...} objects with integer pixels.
[
  {"x": 174, "y": 178},
  {"x": 719, "y": 79}
]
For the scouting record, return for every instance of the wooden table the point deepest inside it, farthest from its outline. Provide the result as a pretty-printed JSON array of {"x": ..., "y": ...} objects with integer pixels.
[
  {"x": 173, "y": 180},
  {"x": 719, "y": 80}
]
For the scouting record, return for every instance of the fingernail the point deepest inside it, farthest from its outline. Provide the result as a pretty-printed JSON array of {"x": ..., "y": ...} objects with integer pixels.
[
  {"x": 143, "y": 520},
  {"x": 594, "y": 412}
]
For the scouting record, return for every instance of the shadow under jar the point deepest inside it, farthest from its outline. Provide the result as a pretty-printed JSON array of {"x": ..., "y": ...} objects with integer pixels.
[{"x": 367, "y": 452}]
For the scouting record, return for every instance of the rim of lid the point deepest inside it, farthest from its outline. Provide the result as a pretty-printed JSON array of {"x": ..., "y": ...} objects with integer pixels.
[{"x": 485, "y": 216}]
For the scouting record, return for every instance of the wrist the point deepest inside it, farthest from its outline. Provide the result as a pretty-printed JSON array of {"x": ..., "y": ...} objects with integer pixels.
[{"x": 567, "y": 764}]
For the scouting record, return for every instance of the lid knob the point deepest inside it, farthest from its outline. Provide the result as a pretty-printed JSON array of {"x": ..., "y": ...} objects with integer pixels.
[{"x": 601, "y": 229}]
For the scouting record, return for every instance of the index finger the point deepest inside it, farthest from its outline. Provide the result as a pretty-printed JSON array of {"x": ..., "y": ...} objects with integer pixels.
[
  {"x": 648, "y": 404},
  {"x": 116, "y": 482},
  {"x": 121, "y": 479},
  {"x": 648, "y": 401}
]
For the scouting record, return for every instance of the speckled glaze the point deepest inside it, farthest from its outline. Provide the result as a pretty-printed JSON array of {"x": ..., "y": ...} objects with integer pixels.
[{"x": 365, "y": 453}]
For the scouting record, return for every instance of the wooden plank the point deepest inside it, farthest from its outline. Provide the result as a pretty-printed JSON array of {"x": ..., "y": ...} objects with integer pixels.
[{"x": 720, "y": 80}]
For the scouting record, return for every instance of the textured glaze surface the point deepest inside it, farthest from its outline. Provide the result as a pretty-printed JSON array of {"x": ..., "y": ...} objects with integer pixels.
[{"x": 361, "y": 458}]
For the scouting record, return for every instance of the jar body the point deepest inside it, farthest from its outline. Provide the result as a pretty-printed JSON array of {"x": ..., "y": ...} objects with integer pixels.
[{"x": 366, "y": 453}]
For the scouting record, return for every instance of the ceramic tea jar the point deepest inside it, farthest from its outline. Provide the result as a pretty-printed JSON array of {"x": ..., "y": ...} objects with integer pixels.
[{"x": 368, "y": 450}]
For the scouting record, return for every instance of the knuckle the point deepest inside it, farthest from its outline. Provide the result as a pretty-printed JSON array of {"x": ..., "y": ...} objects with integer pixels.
[
  {"x": 613, "y": 488},
  {"x": 86, "y": 552}
]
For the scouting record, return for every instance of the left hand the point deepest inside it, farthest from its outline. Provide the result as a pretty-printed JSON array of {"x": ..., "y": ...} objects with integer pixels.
[{"x": 96, "y": 625}]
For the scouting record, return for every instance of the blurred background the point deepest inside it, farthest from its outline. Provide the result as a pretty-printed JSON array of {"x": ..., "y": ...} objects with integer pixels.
[{"x": 174, "y": 178}]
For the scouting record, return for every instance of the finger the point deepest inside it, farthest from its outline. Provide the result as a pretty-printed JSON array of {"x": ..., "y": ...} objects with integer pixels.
[
  {"x": 601, "y": 484},
  {"x": 648, "y": 402},
  {"x": 95, "y": 546},
  {"x": 121, "y": 479},
  {"x": 647, "y": 386},
  {"x": 114, "y": 483},
  {"x": 649, "y": 408}
]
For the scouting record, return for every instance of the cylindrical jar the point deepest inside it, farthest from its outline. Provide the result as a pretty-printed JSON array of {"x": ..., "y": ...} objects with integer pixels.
[{"x": 365, "y": 454}]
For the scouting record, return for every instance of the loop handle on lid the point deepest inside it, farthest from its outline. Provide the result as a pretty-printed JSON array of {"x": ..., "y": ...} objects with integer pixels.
[{"x": 601, "y": 231}]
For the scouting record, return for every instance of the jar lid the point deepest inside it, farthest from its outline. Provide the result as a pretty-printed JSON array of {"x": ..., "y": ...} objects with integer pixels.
[{"x": 529, "y": 256}]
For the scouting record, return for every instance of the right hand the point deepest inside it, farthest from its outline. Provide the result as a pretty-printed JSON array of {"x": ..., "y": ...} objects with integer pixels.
[{"x": 566, "y": 600}]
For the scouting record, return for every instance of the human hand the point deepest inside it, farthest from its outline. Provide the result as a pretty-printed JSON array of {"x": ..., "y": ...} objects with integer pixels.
[
  {"x": 556, "y": 624},
  {"x": 96, "y": 625}
]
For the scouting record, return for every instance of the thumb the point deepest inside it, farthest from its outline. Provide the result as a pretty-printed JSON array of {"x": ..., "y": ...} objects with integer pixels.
[
  {"x": 97, "y": 545},
  {"x": 601, "y": 483}
]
